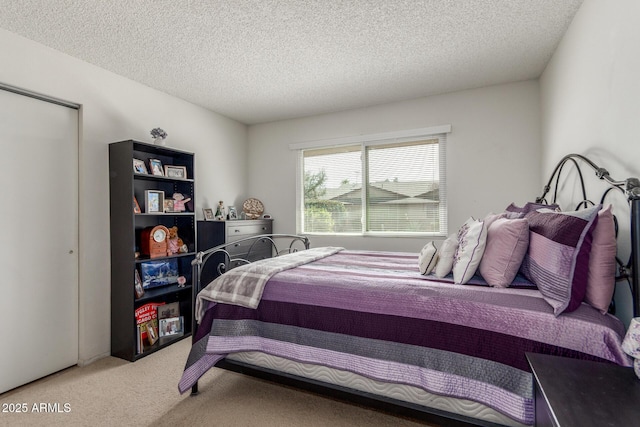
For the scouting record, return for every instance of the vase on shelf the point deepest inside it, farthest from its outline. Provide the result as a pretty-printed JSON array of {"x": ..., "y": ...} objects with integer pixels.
[{"x": 160, "y": 141}]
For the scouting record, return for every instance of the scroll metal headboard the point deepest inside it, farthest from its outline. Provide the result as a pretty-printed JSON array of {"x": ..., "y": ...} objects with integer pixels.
[{"x": 630, "y": 187}]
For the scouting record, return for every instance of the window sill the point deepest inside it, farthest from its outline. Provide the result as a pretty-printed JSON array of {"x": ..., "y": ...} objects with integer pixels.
[{"x": 383, "y": 235}]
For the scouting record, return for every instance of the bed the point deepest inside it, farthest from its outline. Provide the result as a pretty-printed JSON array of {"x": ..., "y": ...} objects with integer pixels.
[{"x": 372, "y": 328}]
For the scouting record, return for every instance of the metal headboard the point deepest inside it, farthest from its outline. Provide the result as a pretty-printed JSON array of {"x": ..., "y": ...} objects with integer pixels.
[
  {"x": 630, "y": 187},
  {"x": 228, "y": 260}
]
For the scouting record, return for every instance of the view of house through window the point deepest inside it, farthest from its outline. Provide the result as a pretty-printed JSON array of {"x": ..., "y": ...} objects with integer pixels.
[{"x": 402, "y": 192}]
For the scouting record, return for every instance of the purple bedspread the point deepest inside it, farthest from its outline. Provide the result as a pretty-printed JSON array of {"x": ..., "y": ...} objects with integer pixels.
[{"x": 373, "y": 314}]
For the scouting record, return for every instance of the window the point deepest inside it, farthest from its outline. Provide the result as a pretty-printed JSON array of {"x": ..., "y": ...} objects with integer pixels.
[{"x": 403, "y": 191}]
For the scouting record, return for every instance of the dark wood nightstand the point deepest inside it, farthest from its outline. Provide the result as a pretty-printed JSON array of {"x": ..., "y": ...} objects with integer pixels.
[{"x": 579, "y": 393}]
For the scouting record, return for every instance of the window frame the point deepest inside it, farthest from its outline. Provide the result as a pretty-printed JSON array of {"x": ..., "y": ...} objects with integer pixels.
[{"x": 364, "y": 141}]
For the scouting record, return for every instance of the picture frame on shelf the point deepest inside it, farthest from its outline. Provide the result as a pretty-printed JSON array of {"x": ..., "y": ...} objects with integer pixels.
[
  {"x": 140, "y": 167},
  {"x": 152, "y": 331},
  {"x": 166, "y": 311},
  {"x": 136, "y": 206},
  {"x": 156, "y": 167},
  {"x": 179, "y": 172},
  {"x": 154, "y": 201},
  {"x": 171, "y": 326},
  {"x": 233, "y": 213},
  {"x": 168, "y": 205},
  {"x": 138, "y": 285},
  {"x": 159, "y": 273},
  {"x": 208, "y": 214}
]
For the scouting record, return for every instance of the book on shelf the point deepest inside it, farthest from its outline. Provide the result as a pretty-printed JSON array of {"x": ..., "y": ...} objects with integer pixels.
[{"x": 145, "y": 314}]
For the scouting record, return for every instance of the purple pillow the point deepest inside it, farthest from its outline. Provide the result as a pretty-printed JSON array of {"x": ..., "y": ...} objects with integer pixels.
[
  {"x": 602, "y": 262},
  {"x": 557, "y": 261},
  {"x": 530, "y": 207},
  {"x": 507, "y": 243}
]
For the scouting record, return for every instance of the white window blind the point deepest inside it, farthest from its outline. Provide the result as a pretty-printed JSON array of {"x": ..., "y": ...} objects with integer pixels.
[
  {"x": 403, "y": 187},
  {"x": 333, "y": 190},
  {"x": 404, "y": 191}
]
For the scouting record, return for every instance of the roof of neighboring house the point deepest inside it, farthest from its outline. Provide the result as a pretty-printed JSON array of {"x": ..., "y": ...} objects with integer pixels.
[
  {"x": 395, "y": 190},
  {"x": 410, "y": 201}
]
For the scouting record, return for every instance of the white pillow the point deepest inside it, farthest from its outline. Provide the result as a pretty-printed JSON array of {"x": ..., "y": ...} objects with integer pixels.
[
  {"x": 472, "y": 239},
  {"x": 428, "y": 258},
  {"x": 445, "y": 256}
]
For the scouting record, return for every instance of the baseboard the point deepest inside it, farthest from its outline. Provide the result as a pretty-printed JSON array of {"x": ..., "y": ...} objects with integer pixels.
[{"x": 85, "y": 362}]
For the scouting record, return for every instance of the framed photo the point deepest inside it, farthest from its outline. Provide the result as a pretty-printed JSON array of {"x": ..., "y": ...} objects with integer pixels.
[
  {"x": 208, "y": 214},
  {"x": 168, "y": 205},
  {"x": 233, "y": 213},
  {"x": 152, "y": 331},
  {"x": 138, "y": 285},
  {"x": 159, "y": 273},
  {"x": 171, "y": 326},
  {"x": 139, "y": 166},
  {"x": 154, "y": 201},
  {"x": 171, "y": 171},
  {"x": 156, "y": 167},
  {"x": 136, "y": 206},
  {"x": 166, "y": 311}
]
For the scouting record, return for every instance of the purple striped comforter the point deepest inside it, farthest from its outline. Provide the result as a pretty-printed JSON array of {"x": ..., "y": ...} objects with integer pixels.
[{"x": 373, "y": 314}]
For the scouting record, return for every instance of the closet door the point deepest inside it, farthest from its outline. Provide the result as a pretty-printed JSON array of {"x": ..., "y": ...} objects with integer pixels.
[{"x": 39, "y": 250}]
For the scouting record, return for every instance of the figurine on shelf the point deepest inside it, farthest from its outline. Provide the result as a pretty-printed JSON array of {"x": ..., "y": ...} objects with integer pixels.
[
  {"x": 179, "y": 201},
  {"x": 158, "y": 136},
  {"x": 220, "y": 214},
  {"x": 182, "y": 281},
  {"x": 176, "y": 244}
]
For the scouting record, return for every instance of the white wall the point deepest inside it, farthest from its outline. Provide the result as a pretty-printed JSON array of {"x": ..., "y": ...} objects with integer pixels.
[
  {"x": 493, "y": 153},
  {"x": 590, "y": 98},
  {"x": 114, "y": 109}
]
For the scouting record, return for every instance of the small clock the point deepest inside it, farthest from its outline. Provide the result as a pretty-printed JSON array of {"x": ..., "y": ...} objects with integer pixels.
[
  {"x": 159, "y": 234},
  {"x": 154, "y": 241}
]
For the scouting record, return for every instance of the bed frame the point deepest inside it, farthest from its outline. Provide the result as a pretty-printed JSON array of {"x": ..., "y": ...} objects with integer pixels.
[{"x": 629, "y": 271}]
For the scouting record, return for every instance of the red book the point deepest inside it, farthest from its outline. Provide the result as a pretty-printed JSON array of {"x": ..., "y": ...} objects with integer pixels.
[{"x": 146, "y": 313}]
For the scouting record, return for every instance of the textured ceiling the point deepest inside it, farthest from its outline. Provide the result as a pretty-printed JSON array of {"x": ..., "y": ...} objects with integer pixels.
[{"x": 263, "y": 60}]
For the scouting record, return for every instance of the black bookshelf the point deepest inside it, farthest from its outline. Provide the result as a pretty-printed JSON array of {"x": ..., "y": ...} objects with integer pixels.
[{"x": 126, "y": 229}]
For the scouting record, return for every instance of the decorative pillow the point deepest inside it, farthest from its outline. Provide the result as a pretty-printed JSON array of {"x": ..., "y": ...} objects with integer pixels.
[
  {"x": 445, "y": 256},
  {"x": 428, "y": 258},
  {"x": 601, "y": 279},
  {"x": 488, "y": 220},
  {"x": 507, "y": 244},
  {"x": 557, "y": 261},
  {"x": 472, "y": 238},
  {"x": 530, "y": 207}
]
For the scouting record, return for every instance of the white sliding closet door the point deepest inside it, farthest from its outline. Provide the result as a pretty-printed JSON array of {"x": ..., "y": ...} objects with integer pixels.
[{"x": 39, "y": 249}]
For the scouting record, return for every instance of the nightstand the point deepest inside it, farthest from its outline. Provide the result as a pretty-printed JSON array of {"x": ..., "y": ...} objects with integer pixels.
[{"x": 580, "y": 393}]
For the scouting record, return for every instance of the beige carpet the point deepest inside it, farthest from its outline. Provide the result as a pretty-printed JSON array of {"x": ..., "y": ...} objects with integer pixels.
[{"x": 113, "y": 392}]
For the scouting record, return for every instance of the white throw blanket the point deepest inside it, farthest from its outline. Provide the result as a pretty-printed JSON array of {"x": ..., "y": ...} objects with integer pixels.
[{"x": 243, "y": 285}]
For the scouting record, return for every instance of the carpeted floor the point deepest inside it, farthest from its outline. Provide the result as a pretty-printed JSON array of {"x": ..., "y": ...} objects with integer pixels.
[{"x": 113, "y": 392}]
